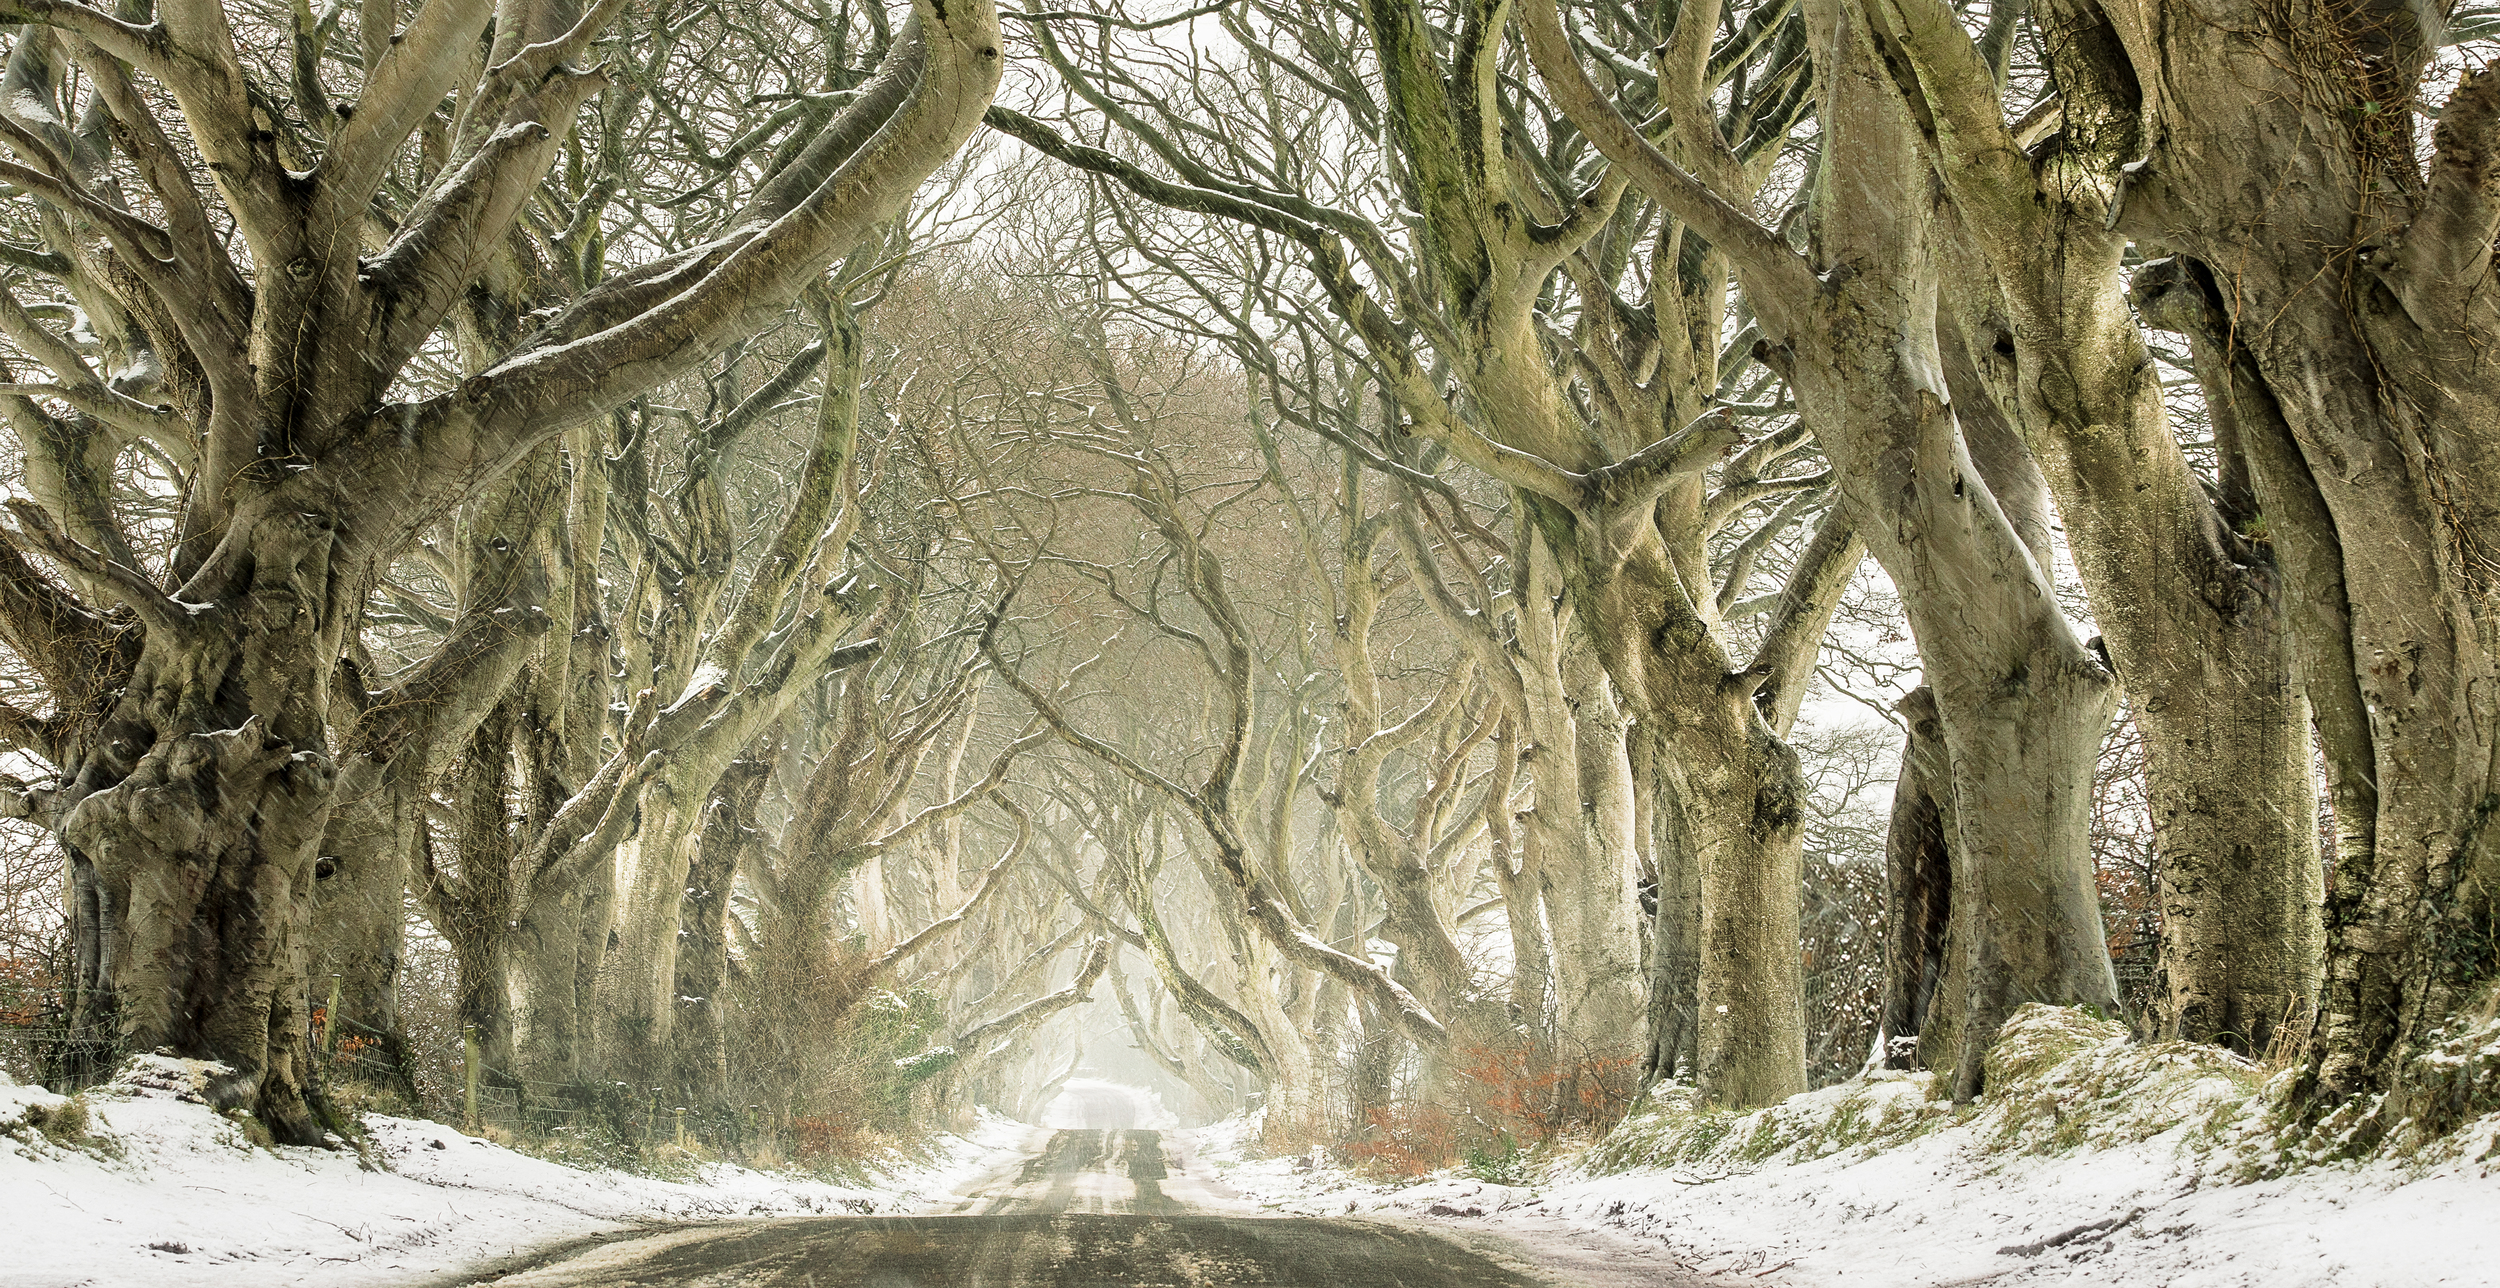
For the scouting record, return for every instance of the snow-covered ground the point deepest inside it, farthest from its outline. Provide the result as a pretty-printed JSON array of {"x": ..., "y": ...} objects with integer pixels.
[
  {"x": 163, "y": 1193},
  {"x": 2094, "y": 1160},
  {"x": 1872, "y": 1184}
]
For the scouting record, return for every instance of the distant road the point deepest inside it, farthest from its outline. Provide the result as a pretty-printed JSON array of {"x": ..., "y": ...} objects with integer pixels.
[
  {"x": 1093, "y": 1105},
  {"x": 1097, "y": 1206}
]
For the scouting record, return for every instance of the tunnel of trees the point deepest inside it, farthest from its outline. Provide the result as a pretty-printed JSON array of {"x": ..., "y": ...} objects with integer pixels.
[{"x": 770, "y": 570}]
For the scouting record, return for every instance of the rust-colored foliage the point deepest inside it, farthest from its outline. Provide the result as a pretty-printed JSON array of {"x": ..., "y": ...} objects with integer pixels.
[
  {"x": 834, "y": 1134},
  {"x": 1510, "y": 1090},
  {"x": 1503, "y": 1093},
  {"x": 1403, "y": 1142},
  {"x": 26, "y": 988}
]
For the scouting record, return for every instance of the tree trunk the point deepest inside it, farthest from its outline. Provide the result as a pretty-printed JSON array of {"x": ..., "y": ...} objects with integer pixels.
[
  {"x": 555, "y": 958},
  {"x": 1741, "y": 804},
  {"x": 2025, "y": 908},
  {"x": 2234, "y": 805},
  {"x": 1585, "y": 855},
  {"x": 1918, "y": 891},
  {"x": 359, "y": 909},
  {"x": 1738, "y": 797},
  {"x": 726, "y": 838},
  {"x": 1674, "y": 963},
  {"x": 2228, "y": 763},
  {"x": 2023, "y": 703},
  {"x": 1513, "y": 860},
  {"x": 192, "y": 825}
]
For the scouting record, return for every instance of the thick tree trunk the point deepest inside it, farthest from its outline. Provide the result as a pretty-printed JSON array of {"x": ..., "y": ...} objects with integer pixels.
[
  {"x": 1742, "y": 804},
  {"x": 192, "y": 828},
  {"x": 636, "y": 1009},
  {"x": 2236, "y": 826},
  {"x": 1297, "y": 1090},
  {"x": 2026, "y": 913},
  {"x": 1674, "y": 958},
  {"x": 2230, "y": 752},
  {"x": 2354, "y": 269},
  {"x": 555, "y": 958},
  {"x": 1587, "y": 860},
  {"x": 2022, "y": 701}
]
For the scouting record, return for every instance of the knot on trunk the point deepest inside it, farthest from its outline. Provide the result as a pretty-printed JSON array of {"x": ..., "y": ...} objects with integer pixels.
[{"x": 195, "y": 795}]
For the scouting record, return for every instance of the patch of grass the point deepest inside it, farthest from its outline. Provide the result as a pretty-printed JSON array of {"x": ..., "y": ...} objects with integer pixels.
[
  {"x": 1510, "y": 1165},
  {"x": 2058, "y": 1080},
  {"x": 68, "y": 1124},
  {"x": 254, "y": 1130}
]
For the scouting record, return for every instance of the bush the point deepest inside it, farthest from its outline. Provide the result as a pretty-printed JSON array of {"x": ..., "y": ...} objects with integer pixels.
[{"x": 1402, "y": 1143}]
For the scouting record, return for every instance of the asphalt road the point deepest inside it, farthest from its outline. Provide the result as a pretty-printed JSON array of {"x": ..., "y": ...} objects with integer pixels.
[{"x": 1094, "y": 1206}]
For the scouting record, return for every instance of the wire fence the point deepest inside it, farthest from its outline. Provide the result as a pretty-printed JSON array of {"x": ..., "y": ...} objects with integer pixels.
[{"x": 29, "y": 1053}]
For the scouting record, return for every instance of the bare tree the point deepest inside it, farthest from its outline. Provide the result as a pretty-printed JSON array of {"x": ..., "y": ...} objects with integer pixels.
[
  {"x": 194, "y": 735},
  {"x": 1613, "y": 486}
]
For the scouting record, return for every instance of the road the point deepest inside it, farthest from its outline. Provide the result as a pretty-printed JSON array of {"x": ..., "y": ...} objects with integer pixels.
[{"x": 1097, "y": 1205}]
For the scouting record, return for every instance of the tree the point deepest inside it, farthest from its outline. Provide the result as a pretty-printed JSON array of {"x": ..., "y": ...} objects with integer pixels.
[
  {"x": 194, "y": 735},
  {"x": 2192, "y": 610},
  {"x": 1447, "y": 308},
  {"x": 1948, "y": 502},
  {"x": 2340, "y": 319}
]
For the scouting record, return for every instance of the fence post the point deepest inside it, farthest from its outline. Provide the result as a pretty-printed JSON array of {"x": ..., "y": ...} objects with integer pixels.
[
  {"x": 330, "y": 1019},
  {"x": 468, "y": 1062},
  {"x": 681, "y": 1126}
]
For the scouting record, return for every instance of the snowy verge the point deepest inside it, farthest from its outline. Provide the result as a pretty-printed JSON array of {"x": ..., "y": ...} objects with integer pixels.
[
  {"x": 2094, "y": 1160},
  {"x": 138, "y": 1182}
]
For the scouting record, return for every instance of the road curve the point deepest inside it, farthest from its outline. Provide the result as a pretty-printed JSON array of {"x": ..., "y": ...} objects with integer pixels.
[{"x": 1093, "y": 1207}]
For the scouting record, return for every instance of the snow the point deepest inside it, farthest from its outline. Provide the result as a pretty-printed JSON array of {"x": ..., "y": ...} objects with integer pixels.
[
  {"x": 162, "y": 1191},
  {"x": 2107, "y": 1162},
  {"x": 2094, "y": 1160}
]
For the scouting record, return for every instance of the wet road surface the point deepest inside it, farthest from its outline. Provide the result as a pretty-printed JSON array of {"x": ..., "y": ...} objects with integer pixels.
[{"x": 1097, "y": 1206}]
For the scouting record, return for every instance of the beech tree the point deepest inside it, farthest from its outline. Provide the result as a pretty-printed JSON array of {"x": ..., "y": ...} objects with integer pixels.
[
  {"x": 1947, "y": 217},
  {"x": 1614, "y": 475},
  {"x": 2338, "y": 320},
  {"x": 262, "y": 333}
]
